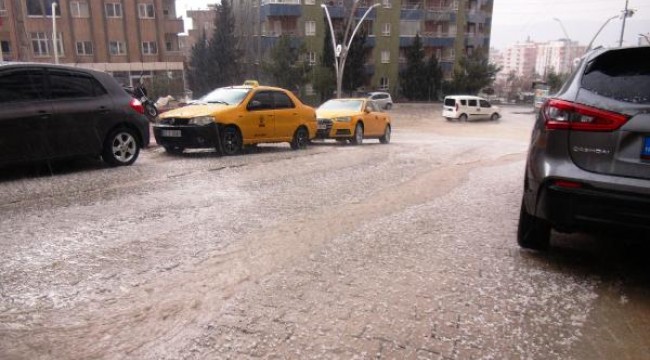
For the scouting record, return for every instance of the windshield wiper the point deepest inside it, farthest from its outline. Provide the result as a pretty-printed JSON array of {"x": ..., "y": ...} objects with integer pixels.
[{"x": 218, "y": 102}]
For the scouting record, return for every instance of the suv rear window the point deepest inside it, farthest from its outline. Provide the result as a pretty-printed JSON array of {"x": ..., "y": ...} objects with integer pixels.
[
  {"x": 450, "y": 102},
  {"x": 623, "y": 75}
]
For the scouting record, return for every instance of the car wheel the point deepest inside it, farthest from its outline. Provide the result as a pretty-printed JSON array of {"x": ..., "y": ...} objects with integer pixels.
[
  {"x": 300, "y": 139},
  {"x": 389, "y": 106},
  {"x": 231, "y": 141},
  {"x": 532, "y": 232},
  {"x": 448, "y": 118},
  {"x": 357, "y": 139},
  {"x": 121, "y": 147},
  {"x": 462, "y": 118},
  {"x": 385, "y": 139},
  {"x": 494, "y": 117},
  {"x": 175, "y": 150}
]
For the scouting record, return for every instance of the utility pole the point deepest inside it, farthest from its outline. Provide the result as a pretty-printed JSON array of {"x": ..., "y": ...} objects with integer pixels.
[
  {"x": 56, "y": 53},
  {"x": 626, "y": 13}
]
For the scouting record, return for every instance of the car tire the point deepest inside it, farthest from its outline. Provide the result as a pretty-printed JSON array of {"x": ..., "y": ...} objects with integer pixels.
[
  {"x": 494, "y": 117},
  {"x": 300, "y": 139},
  {"x": 357, "y": 138},
  {"x": 174, "y": 150},
  {"x": 533, "y": 232},
  {"x": 388, "y": 106},
  {"x": 121, "y": 147},
  {"x": 231, "y": 141},
  {"x": 385, "y": 139},
  {"x": 462, "y": 118},
  {"x": 448, "y": 118}
]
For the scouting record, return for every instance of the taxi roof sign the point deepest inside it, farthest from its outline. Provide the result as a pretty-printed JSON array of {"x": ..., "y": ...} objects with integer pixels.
[{"x": 252, "y": 83}]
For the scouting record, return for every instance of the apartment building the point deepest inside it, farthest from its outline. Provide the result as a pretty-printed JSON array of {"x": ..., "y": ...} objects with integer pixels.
[
  {"x": 448, "y": 29},
  {"x": 203, "y": 22},
  {"x": 558, "y": 56},
  {"x": 520, "y": 59},
  {"x": 127, "y": 38}
]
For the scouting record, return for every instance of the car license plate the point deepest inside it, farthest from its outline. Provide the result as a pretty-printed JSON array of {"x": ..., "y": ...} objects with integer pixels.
[
  {"x": 645, "y": 151},
  {"x": 322, "y": 126},
  {"x": 171, "y": 133}
]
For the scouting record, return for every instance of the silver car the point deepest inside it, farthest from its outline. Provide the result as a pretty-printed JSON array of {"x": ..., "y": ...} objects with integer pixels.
[
  {"x": 588, "y": 165},
  {"x": 383, "y": 99}
]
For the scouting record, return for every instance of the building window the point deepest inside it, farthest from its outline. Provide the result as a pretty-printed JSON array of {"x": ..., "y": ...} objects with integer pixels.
[
  {"x": 310, "y": 28},
  {"x": 4, "y": 45},
  {"x": 40, "y": 44},
  {"x": 113, "y": 10},
  {"x": 383, "y": 83},
  {"x": 385, "y": 57},
  {"x": 386, "y": 4},
  {"x": 312, "y": 58},
  {"x": 79, "y": 9},
  {"x": 59, "y": 44},
  {"x": 146, "y": 11},
  {"x": 310, "y": 2},
  {"x": 117, "y": 48},
  {"x": 149, "y": 48},
  {"x": 41, "y": 7},
  {"x": 84, "y": 48},
  {"x": 3, "y": 8},
  {"x": 385, "y": 30},
  {"x": 409, "y": 27}
]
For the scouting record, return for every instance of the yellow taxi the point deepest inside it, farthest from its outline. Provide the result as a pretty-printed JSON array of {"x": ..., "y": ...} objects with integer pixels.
[
  {"x": 229, "y": 118},
  {"x": 353, "y": 120}
]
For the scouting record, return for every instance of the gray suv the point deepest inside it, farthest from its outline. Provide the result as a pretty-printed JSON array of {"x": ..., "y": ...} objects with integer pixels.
[{"x": 588, "y": 164}]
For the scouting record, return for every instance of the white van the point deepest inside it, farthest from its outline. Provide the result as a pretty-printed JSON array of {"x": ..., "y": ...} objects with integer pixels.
[{"x": 466, "y": 107}]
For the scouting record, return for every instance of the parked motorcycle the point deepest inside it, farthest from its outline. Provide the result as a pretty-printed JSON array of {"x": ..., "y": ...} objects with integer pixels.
[{"x": 140, "y": 92}]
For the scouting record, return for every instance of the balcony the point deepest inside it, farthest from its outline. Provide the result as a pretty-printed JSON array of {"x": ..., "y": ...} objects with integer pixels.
[
  {"x": 280, "y": 8},
  {"x": 411, "y": 14},
  {"x": 268, "y": 41},
  {"x": 362, "y": 10},
  {"x": 175, "y": 26},
  {"x": 336, "y": 11}
]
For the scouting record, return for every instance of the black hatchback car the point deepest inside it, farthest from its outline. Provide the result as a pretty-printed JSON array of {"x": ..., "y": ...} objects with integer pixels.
[
  {"x": 588, "y": 164},
  {"x": 50, "y": 112}
]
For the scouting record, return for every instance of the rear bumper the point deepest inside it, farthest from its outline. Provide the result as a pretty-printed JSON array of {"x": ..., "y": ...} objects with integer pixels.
[{"x": 589, "y": 208}]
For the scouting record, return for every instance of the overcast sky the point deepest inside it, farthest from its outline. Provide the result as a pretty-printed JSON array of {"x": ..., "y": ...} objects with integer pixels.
[{"x": 516, "y": 20}]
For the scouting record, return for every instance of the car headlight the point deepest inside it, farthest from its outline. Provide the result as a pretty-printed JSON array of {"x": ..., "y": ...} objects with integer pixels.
[
  {"x": 343, "y": 119},
  {"x": 201, "y": 120}
]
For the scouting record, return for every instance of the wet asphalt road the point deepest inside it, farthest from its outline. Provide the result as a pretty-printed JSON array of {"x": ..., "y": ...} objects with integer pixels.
[{"x": 399, "y": 251}]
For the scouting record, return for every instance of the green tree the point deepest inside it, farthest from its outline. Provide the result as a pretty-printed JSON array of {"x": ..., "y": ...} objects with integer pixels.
[
  {"x": 411, "y": 79},
  {"x": 354, "y": 75},
  {"x": 285, "y": 66},
  {"x": 473, "y": 73},
  {"x": 555, "y": 81},
  {"x": 223, "y": 55},
  {"x": 433, "y": 78},
  {"x": 324, "y": 77},
  {"x": 196, "y": 75}
]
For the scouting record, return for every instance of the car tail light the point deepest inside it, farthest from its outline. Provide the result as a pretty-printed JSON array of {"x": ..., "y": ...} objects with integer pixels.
[
  {"x": 565, "y": 115},
  {"x": 137, "y": 105},
  {"x": 567, "y": 184}
]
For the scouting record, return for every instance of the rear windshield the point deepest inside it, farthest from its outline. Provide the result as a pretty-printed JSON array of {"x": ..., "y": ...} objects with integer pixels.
[
  {"x": 623, "y": 75},
  {"x": 450, "y": 102}
]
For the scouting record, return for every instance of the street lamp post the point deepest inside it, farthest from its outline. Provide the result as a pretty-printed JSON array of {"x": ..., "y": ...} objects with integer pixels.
[
  {"x": 598, "y": 32},
  {"x": 341, "y": 50},
  {"x": 56, "y": 53}
]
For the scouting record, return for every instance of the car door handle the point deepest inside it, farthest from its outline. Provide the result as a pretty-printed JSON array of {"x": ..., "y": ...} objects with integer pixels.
[
  {"x": 103, "y": 110},
  {"x": 44, "y": 114}
]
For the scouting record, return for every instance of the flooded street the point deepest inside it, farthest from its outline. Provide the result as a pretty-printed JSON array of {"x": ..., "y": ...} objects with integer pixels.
[{"x": 399, "y": 251}]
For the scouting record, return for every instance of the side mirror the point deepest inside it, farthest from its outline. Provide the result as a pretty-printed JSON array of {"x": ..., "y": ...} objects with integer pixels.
[{"x": 254, "y": 105}]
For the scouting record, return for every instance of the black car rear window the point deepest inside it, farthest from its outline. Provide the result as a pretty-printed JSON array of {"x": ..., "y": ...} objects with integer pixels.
[
  {"x": 450, "y": 102},
  {"x": 623, "y": 75}
]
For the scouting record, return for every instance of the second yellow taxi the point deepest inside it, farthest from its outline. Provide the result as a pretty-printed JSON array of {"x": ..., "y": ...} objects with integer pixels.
[{"x": 353, "y": 120}]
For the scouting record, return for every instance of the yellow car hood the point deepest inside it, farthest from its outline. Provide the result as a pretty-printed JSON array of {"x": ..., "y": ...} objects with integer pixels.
[
  {"x": 196, "y": 110},
  {"x": 327, "y": 114}
]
